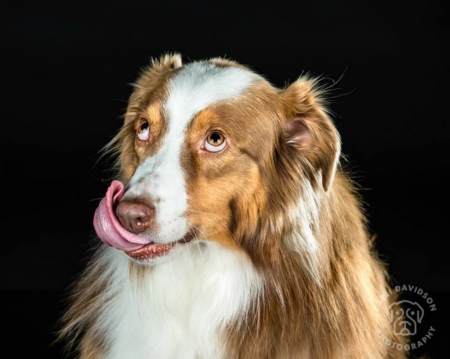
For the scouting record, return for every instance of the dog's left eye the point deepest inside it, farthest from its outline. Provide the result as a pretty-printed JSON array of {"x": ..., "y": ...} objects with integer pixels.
[
  {"x": 215, "y": 142},
  {"x": 143, "y": 130}
]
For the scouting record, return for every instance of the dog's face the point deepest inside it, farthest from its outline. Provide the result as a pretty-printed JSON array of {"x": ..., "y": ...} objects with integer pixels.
[{"x": 211, "y": 151}]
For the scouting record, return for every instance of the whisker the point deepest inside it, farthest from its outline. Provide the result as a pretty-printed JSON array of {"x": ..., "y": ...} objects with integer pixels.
[{"x": 197, "y": 242}]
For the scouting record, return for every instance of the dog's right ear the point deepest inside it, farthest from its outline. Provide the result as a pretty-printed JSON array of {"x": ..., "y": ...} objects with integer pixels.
[
  {"x": 153, "y": 75},
  {"x": 167, "y": 62}
]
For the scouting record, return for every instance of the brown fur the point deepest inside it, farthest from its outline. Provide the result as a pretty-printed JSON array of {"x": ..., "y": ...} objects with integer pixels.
[{"x": 328, "y": 305}]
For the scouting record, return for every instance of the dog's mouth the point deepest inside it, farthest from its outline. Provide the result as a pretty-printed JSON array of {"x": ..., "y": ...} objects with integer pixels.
[
  {"x": 112, "y": 233},
  {"x": 154, "y": 250}
]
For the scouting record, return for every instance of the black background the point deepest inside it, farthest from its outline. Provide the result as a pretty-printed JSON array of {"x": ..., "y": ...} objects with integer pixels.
[{"x": 65, "y": 73}]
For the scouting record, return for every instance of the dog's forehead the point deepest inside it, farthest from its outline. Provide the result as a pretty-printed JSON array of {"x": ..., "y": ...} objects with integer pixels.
[
  {"x": 201, "y": 84},
  {"x": 194, "y": 88}
]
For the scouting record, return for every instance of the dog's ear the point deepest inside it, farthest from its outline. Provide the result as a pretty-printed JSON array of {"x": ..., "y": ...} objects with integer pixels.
[
  {"x": 155, "y": 74},
  {"x": 167, "y": 62},
  {"x": 309, "y": 129}
]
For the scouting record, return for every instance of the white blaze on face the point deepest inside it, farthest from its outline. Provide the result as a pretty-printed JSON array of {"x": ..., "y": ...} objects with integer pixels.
[{"x": 195, "y": 87}]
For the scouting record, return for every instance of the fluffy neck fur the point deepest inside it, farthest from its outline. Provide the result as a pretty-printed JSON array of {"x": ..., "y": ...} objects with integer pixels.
[
  {"x": 178, "y": 309},
  {"x": 339, "y": 314}
]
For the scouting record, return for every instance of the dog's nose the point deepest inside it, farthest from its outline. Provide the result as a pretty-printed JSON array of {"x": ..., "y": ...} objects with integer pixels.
[{"x": 135, "y": 217}]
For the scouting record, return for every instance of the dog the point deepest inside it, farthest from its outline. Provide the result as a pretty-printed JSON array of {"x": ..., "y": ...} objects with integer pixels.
[{"x": 231, "y": 230}]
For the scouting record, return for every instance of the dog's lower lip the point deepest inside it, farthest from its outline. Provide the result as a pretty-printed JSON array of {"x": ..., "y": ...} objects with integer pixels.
[{"x": 154, "y": 250}]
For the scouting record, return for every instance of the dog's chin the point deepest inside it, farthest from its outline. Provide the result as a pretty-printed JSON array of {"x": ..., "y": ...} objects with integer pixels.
[{"x": 156, "y": 253}]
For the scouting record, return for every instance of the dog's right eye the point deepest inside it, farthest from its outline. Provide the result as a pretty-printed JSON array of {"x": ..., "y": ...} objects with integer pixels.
[{"x": 143, "y": 130}]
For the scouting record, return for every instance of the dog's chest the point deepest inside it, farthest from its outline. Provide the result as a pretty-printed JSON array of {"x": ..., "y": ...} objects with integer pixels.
[{"x": 179, "y": 309}]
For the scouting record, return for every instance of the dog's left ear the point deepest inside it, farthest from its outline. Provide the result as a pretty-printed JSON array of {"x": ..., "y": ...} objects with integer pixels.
[{"x": 309, "y": 129}]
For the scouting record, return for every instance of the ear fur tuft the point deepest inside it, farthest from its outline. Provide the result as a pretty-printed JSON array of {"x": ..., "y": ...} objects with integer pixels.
[
  {"x": 167, "y": 62},
  {"x": 309, "y": 128}
]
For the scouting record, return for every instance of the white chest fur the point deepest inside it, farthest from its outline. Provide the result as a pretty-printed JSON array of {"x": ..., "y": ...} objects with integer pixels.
[{"x": 176, "y": 309}]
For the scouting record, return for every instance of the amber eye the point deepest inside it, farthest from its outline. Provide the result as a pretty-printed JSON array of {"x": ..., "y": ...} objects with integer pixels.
[
  {"x": 143, "y": 130},
  {"x": 215, "y": 142}
]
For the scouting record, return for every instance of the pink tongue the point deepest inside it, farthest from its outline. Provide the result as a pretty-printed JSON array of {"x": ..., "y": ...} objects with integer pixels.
[{"x": 107, "y": 225}]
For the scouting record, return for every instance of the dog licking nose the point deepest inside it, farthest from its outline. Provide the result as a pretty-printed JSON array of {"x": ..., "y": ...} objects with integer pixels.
[
  {"x": 241, "y": 234},
  {"x": 108, "y": 227},
  {"x": 135, "y": 217}
]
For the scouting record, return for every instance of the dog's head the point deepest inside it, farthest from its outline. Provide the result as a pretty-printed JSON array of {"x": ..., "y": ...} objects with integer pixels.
[{"x": 211, "y": 151}]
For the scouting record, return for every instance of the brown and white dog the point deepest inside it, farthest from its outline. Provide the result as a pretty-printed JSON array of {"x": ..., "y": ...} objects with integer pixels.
[{"x": 233, "y": 231}]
